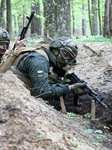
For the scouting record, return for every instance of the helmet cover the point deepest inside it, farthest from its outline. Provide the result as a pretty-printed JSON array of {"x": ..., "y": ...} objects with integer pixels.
[
  {"x": 65, "y": 44},
  {"x": 4, "y": 37}
]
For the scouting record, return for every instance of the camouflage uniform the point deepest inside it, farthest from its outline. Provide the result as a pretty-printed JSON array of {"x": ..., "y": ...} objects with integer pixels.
[
  {"x": 37, "y": 67},
  {"x": 33, "y": 67}
]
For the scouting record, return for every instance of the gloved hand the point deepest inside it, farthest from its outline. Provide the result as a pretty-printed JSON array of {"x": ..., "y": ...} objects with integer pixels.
[
  {"x": 53, "y": 79},
  {"x": 77, "y": 89},
  {"x": 66, "y": 81}
]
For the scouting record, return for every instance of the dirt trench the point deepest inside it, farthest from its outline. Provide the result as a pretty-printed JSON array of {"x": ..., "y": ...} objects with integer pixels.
[{"x": 95, "y": 67}]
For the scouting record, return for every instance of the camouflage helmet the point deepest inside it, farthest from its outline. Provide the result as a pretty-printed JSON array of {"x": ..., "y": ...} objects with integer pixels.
[
  {"x": 65, "y": 44},
  {"x": 4, "y": 37}
]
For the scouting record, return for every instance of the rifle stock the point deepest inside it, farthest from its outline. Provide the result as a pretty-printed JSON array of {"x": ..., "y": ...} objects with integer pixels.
[{"x": 75, "y": 79}]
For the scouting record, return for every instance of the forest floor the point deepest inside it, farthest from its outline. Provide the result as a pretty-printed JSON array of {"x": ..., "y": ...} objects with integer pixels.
[{"x": 28, "y": 123}]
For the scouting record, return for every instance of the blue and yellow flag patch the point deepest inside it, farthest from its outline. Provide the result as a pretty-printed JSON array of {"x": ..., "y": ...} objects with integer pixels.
[{"x": 40, "y": 73}]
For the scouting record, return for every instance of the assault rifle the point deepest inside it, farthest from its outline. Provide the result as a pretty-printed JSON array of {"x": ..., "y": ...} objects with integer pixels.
[
  {"x": 75, "y": 79},
  {"x": 24, "y": 30}
]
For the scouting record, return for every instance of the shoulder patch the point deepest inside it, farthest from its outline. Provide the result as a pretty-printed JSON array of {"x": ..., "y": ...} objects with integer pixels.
[{"x": 40, "y": 73}]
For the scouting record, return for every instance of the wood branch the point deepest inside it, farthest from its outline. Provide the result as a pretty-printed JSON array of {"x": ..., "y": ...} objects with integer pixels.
[
  {"x": 49, "y": 37},
  {"x": 90, "y": 48}
]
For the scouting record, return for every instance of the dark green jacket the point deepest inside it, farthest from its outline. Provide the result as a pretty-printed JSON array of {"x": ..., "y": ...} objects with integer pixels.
[{"x": 37, "y": 67}]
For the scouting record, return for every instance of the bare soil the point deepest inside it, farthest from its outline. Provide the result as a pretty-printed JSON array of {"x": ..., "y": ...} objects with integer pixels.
[{"x": 28, "y": 123}]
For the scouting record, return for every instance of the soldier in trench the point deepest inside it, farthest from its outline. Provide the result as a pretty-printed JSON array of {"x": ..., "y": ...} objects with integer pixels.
[
  {"x": 36, "y": 65},
  {"x": 33, "y": 66}
]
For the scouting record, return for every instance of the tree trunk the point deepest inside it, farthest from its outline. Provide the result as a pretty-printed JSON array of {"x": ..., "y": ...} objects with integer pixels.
[
  {"x": 9, "y": 18},
  {"x": 106, "y": 21},
  {"x": 94, "y": 18},
  {"x": 63, "y": 27},
  {"x": 99, "y": 17},
  {"x": 73, "y": 18},
  {"x": 110, "y": 17},
  {"x": 57, "y": 18},
  {"x": 2, "y": 10},
  {"x": 19, "y": 24},
  {"x": 83, "y": 21},
  {"x": 36, "y": 22},
  {"x": 15, "y": 26},
  {"x": 50, "y": 18},
  {"x": 24, "y": 16},
  {"x": 89, "y": 13}
]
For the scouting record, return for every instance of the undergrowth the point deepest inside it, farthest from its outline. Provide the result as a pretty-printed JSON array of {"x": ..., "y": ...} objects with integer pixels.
[
  {"x": 34, "y": 40},
  {"x": 92, "y": 39}
]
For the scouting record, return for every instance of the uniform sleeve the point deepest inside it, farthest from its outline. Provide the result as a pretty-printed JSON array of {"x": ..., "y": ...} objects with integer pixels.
[{"x": 37, "y": 67}]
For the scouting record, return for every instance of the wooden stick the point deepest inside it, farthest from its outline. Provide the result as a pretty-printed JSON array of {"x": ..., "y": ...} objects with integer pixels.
[
  {"x": 90, "y": 48},
  {"x": 93, "y": 110},
  {"x": 63, "y": 110},
  {"x": 63, "y": 105}
]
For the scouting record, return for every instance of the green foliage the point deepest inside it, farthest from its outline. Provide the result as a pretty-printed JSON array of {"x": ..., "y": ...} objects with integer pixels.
[
  {"x": 21, "y": 8},
  {"x": 71, "y": 114},
  {"x": 86, "y": 141},
  {"x": 98, "y": 136},
  {"x": 87, "y": 115},
  {"x": 85, "y": 123},
  {"x": 75, "y": 138},
  {"x": 88, "y": 131},
  {"x": 75, "y": 144},
  {"x": 40, "y": 137},
  {"x": 54, "y": 3},
  {"x": 93, "y": 39},
  {"x": 78, "y": 12},
  {"x": 32, "y": 40},
  {"x": 105, "y": 127},
  {"x": 41, "y": 17},
  {"x": 96, "y": 143},
  {"x": 49, "y": 130},
  {"x": 101, "y": 136},
  {"x": 25, "y": 97},
  {"x": 98, "y": 131}
]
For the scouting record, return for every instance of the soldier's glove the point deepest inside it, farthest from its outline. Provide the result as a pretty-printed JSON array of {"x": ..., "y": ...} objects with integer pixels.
[
  {"x": 66, "y": 81},
  {"x": 53, "y": 79},
  {"x": 77, "y": 89}
]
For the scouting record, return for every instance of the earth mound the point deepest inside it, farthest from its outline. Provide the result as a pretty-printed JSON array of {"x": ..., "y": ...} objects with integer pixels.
[{"x": 29, "y": 123}]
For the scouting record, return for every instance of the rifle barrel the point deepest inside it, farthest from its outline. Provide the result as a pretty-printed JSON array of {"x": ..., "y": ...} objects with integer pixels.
[
  {"x": 104, "y": 105},
  {"x": 22, "y": 35}
]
